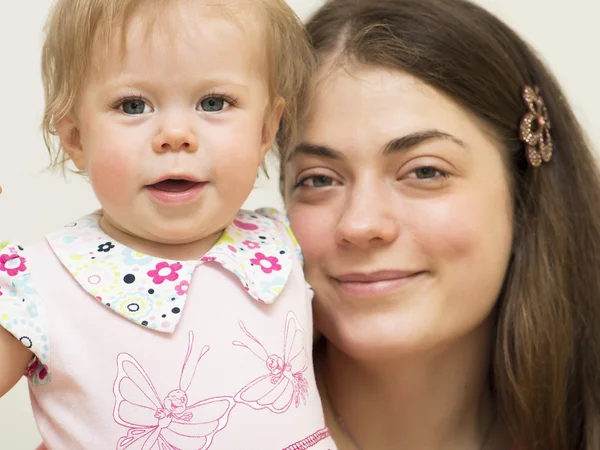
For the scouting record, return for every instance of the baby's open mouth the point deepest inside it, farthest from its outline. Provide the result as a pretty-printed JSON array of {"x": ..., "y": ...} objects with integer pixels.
[{"x": 174, "y": 185}]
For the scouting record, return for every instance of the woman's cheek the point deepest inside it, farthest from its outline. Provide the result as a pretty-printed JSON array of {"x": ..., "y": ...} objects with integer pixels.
[
  {"x": 464, "y": 234},
  {"x": 447, "y": 227},
  {"x": 310, "y": 227}
]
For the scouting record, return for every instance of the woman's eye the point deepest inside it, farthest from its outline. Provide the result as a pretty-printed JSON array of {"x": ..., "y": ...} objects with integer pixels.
[
  {"x": 213, "y": 104},
  {"x": 316, "y": 181},
  {"x": 134, "y": 107},
  {"x": 428, "y": 173}
]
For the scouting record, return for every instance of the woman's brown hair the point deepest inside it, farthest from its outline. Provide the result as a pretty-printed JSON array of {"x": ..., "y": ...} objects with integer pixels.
[{"x": 546, "y": 362}]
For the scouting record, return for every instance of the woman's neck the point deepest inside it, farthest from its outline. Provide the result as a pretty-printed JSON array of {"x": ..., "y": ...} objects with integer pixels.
[{"x": 439, "y": 401}]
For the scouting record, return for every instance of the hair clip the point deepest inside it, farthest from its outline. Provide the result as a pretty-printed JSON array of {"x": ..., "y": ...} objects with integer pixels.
[{"x": 535, "y": 128}]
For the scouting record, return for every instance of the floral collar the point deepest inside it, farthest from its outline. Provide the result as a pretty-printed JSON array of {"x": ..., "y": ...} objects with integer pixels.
[{"x": 152, "y": 291}]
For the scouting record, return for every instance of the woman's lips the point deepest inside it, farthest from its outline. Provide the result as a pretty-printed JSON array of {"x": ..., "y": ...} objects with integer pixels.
[{"x": 374, "y": 284}]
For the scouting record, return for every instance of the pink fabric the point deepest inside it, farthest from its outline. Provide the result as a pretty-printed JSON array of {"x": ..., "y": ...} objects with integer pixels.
[{"x": 234, "y": 374}]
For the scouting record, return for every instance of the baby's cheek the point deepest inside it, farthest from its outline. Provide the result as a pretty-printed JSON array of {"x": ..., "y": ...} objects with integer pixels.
[{"x": 112, "y": 176}]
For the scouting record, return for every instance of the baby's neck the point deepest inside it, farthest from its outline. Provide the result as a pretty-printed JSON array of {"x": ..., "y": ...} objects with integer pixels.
[{"x": 161, "y": 247}]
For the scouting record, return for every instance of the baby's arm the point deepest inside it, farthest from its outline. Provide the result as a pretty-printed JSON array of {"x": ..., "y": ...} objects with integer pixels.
[{"x": 14, "y": 358}]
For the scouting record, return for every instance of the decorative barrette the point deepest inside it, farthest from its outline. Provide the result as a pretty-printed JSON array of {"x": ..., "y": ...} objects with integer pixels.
[{"x": 535, "y": 128}]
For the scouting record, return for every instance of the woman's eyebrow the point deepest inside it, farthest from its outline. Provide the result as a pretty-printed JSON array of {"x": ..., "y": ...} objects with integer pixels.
[
  {"x": 396, "y": 145},
  {"x": 318, "y": 150},
  {"x": 417, "y": 138}
]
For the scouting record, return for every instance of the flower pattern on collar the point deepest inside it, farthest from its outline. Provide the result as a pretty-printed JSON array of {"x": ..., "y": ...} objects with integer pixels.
[{"x": 152, "y": 291}]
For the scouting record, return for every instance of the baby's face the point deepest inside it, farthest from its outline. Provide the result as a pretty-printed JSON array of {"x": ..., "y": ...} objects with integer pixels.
[{"x": 172, "y": 132}]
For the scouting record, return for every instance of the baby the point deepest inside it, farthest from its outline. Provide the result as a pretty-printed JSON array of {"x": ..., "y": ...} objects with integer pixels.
[{"x": 169, "y": 319}]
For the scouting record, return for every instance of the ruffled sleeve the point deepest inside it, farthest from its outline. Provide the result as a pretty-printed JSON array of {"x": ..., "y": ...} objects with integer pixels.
[{"x": 21, "y": 310}]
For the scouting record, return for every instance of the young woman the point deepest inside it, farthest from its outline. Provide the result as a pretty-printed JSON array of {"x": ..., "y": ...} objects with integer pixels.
[{"x": 447, "y": 204}]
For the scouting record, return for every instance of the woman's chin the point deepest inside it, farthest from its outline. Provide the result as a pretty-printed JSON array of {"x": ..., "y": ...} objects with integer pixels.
[{"x": 379, "y": 342}]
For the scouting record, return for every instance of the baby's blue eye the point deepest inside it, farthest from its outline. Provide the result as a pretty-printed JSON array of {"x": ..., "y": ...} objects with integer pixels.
[
  {"x": 213, "y": 104},
  {"x": 134, "y": 107}
]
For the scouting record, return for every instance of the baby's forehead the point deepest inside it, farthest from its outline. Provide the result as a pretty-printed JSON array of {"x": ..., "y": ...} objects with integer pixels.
[
  {"x": 193, "y": 29},
  {"x": 174, "y": 22}
]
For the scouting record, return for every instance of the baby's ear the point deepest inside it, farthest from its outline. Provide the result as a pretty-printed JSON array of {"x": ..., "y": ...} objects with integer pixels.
[
  {"x": 272, "y": 122},
  {"x": 67, "y": 130}
]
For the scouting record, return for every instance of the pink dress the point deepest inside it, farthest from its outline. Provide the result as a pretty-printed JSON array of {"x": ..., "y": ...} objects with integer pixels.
[{"x": 136, "y": 352}]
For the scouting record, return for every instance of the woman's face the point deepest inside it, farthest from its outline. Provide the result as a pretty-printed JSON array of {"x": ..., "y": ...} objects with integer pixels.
[{"x": 401, "y": 203}]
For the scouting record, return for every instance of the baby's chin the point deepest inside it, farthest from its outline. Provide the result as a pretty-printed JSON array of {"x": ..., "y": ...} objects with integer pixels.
[{"x": 179, "y": 240}]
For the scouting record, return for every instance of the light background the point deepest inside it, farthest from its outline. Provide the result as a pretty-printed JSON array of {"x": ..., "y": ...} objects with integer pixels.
[{"x": 36, "y": 201}]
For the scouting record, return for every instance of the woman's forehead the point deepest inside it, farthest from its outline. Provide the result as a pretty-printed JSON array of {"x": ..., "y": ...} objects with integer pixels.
[{"x": 352, "y": 102}]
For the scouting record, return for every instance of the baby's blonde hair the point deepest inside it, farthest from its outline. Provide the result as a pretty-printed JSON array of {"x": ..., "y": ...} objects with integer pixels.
[{"x": 76, "y": 29}]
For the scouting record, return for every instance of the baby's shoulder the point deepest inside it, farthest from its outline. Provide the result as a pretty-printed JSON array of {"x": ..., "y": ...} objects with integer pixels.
[
  {"x": 16, "y": 260},
  {"x": 273, "y": 214},
  {"x": 280, "y": 226},
  {"x": 13, "y": 263},
  {"x": 21, "y": 309}
]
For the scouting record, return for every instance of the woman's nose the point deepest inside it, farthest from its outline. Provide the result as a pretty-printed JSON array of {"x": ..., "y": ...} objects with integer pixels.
[{"x": 369, "y": 218}]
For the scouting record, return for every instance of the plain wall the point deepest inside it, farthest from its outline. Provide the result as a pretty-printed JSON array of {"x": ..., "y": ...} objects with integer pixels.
[{"x": 36, "y": 201}]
